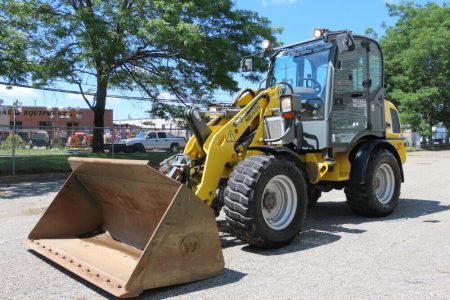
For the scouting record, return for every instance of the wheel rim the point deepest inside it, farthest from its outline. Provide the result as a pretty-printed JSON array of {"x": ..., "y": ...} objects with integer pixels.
[
  {"x": 384, "y": 183},
  {"x": 279, "y": 202}
]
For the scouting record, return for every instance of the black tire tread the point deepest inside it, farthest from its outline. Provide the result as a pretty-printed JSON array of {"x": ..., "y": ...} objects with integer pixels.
[
  {"x": 238, "y": 196},
  {"x": 314, "y": 196},
  {"x": 174, "y": 147},
  {"x": 240, "y": 187},
  {"x": 358, "y": 196},
  {"x": 139, "y": 148}
]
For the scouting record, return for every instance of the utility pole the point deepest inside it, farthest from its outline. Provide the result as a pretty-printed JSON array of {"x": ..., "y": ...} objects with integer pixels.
[{"x": 17, "y": 107}]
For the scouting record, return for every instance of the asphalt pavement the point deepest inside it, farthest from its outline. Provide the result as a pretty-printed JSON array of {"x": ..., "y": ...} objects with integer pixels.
[{"x": 337, "y": 256}]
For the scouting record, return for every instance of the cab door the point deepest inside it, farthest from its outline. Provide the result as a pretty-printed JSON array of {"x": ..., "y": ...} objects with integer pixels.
[
  {"x": 163, "y": 142},
  {"x": 150, "y": 141},
  {"x": 350, "y": 109}
]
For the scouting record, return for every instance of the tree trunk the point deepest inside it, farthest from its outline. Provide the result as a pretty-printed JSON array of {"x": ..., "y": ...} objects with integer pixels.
[
  {"x": 99, "y": 113},
  {"x": 430, "y": 141}
]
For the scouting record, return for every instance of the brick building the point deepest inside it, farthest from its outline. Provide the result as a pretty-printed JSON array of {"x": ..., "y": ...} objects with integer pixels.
[{"x": 38, "y": 117}]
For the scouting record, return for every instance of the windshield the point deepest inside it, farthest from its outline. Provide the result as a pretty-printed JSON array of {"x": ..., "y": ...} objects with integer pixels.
[
  {"x": 305, "y": 69},
  {"x": 141, "y": 135}
]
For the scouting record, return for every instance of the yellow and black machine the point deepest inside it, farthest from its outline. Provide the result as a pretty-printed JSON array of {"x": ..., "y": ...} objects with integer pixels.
[{"x": 321, "y": 123}]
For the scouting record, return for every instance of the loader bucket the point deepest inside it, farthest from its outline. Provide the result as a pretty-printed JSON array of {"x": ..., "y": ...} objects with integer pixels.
[{"x": 125, "y": 227}]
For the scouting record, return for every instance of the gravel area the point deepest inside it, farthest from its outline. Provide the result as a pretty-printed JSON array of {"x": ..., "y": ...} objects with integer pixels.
[{"x": 337, "y": 256}]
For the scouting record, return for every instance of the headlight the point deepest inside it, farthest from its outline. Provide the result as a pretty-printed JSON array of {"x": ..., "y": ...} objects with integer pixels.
[
  {"x": 265, "y": 44},
  {"x": 286, "y": 104},
  {"x": 318, "y": 33},
  {"x": 290, "y": 106}
]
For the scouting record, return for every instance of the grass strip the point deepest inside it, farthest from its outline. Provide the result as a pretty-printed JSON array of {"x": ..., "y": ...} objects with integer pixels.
[{"x": 43, "y": 164}]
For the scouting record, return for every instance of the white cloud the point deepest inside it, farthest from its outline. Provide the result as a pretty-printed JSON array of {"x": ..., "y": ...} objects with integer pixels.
[
  {"x": 76, "y": 98},
  {"x": 17, "y": 93},
  {"x": 166, "y": 96}
]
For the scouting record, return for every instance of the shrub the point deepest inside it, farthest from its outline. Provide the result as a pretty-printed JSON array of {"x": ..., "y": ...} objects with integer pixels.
[{"x": 9, "y": 142}]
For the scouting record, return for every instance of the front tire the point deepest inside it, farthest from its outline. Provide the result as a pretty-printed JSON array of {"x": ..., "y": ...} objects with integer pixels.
[
  {"x": 265, "y": 201},
  {"x": 139, "y": 148},
  {"x": 174, "y": 147},
  {"x": 379, "y": 196}
]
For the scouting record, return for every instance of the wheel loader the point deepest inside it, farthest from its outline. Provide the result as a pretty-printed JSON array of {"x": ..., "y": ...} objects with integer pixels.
[{"x": 320, "y": 123}]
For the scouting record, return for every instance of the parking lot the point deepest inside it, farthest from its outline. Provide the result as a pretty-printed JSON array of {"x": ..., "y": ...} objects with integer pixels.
[{"x": 338, "y": 255}]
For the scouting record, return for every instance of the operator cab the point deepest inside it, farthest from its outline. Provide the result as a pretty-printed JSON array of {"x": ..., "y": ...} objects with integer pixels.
[
  {"x": 305, "y": 70},
  {"x": 339, "y": 79}
]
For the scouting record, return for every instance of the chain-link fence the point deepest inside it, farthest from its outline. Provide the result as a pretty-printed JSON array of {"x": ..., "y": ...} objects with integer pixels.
[{"x": 26, "y": 150}]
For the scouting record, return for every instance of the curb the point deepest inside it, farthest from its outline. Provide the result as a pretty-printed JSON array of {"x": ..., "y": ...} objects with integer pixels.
[{"x": 33, "y": 177}]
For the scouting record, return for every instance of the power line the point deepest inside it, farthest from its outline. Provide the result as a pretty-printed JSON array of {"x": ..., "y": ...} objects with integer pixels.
[
  {"x": 91, "y": 94},
  {"x": 71, "y": 82}
]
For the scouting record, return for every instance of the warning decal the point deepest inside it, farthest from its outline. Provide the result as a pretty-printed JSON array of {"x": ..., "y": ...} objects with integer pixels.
[{"x": 230, "y": 137}]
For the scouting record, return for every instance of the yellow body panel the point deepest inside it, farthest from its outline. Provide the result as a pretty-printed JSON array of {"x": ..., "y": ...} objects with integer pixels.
[
  {"x": 399, "y": 145},
  {"x": 340, "y": 170},
  {"x": 395, "y": 139},
  {"x": 387, "y": 113}
]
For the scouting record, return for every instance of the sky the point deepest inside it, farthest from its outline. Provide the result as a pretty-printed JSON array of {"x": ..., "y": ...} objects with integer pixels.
[{"x": 297, "y": 17}]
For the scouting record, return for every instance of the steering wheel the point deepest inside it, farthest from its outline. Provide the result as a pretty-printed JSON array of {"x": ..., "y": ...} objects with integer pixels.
[
  {"x": 314, "y": 84},
  {"x": 287, "y": 84}
]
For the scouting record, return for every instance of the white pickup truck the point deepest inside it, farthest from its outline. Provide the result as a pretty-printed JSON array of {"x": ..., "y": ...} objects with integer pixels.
[{"x": 150, "y": 140}]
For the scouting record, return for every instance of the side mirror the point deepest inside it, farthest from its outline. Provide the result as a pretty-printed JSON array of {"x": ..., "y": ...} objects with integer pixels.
[
  {"x": 246, "y": 65},
  {"x": 345, "y": 42}
]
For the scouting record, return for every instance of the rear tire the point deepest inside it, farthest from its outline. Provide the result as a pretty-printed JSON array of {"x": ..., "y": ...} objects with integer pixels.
[
  {"x": 139, "y": 148},
  {"x": 378, "y": 197},
  {"x": 174, "y": 147},
  {"x": 265, "y": 201},
  {"x": 314, "y": 196}
]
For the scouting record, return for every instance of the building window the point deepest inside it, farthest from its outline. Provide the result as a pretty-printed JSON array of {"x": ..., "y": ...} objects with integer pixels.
[
  {"x": 18, "y": 124},
  {"x": 45, "y": 125}
]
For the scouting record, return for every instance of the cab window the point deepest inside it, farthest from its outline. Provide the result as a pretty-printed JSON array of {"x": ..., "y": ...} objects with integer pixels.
[
  {"x": 305, "y": 69},
  {"x": 395, "y": 121},
  {"x": 375, "y": 68}
]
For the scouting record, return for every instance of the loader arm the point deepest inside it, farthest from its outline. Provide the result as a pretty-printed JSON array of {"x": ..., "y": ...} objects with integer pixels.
[{"x": 221, "y": 151}]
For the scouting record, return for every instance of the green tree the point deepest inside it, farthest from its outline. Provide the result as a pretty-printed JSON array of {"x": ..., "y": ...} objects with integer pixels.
[
  {"x": 13, "y": 62},
  {"x": 417, "y": 63},
  {"x": 371, "y": 33},
  {"x": 187, "y": 48}
]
